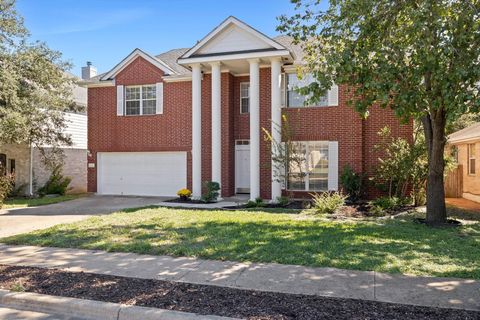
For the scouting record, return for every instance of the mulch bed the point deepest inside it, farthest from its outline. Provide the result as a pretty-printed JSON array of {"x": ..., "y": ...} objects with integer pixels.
[
  {"x": 179, "y": 200},
  {"x": 213, "y": 300},
  {"x": 291, "y": 205}
]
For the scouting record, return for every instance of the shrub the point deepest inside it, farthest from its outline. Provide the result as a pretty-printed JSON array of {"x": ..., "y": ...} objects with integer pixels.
[
  {"x": 327, "y": 202},
  {"x": 352, "y": 183},
  {"x": 6, "y": 184},
  {"x": 56, "y": 184},
  {"x": 258, "y": 203},
  {"x": 283, "y": 201},
  {"x": 212, "y": 191},
  {"x": 388, "y": 203},
  {"x": 184, "y": 194}
]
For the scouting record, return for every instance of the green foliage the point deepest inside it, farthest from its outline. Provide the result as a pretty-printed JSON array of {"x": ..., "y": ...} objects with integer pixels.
[
  {"x": 283, "y": 201},
  {"x": 6, "y": 185},
  {"x": 389, "y": 203},
  {"x": 36, "y": 88},
  {"x": 56, "y": 184},
  {"x": 212, "y": 193},
  {"x": 352, "y": 183},
  {"x": 258, "y": 203},
  {"x": 327, "y": 202},
  {"x": 419, "y": 58}
]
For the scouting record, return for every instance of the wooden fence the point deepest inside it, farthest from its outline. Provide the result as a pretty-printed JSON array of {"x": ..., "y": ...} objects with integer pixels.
[{"x": 454, "y": 183}]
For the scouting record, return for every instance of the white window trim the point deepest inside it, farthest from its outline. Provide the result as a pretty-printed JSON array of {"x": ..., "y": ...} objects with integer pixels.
[
  {"x": 307, "y": 174},
  {"x": 240, "y": 89},
  {"x": 469, "y": 156},
  {"x": 285, "y": 94},
  {"x": 141, "y": 100}
]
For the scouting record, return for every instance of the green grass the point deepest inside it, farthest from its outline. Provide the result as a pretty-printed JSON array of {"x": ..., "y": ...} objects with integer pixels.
[
  {"x": 395, "y": 246},
  {"x": 34, "y": 202}
]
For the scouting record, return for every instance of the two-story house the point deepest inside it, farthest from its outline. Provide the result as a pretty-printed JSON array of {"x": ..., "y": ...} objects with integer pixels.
[{"x": 160, "y": 123}]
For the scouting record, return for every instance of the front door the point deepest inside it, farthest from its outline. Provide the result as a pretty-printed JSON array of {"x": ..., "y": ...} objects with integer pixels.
[{"x": 242, "y": 166}]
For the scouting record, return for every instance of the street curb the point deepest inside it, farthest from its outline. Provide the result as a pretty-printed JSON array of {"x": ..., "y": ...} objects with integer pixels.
[{"x": 90, "y": 309}]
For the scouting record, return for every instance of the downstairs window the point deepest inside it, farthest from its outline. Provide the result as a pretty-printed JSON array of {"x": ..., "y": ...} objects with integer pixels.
[{"x": 308, "y": 169}]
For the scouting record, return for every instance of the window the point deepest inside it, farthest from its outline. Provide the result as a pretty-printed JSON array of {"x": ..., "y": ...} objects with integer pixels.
[
  {"x": 309, "y": 169},
  {"x": 3, "y": 164},
  {"x": 471, "y": 159},
  {"x": 244, "y": 97},
  {"x": 295, "y": 99},
  {"x": 12, "y": 166},
  {"x": 140, "y": 100}
]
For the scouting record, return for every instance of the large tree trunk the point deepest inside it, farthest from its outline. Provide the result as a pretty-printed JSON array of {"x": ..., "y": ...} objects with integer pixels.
[{"x": 434, "y": 128}]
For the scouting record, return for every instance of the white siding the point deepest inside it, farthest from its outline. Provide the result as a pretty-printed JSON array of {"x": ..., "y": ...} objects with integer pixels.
[
  {"x": 233, "y": 39},
  {"x": 77, "y": 129}
]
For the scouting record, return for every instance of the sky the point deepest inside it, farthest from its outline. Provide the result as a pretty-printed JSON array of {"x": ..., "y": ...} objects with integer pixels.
[{"x": 106, "y": 31}]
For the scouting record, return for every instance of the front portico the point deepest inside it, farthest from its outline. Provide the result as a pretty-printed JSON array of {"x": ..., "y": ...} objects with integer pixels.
[{"x": 234, "y": 48}]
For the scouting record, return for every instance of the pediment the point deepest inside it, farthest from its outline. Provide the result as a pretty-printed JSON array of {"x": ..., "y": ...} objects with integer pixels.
[{"x": 230, "y": 36}]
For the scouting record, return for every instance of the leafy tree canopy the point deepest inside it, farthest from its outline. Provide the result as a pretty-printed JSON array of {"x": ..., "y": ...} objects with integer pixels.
[
  {"x": 420, "y": 58},
  {"x": 35, "y": 88}
]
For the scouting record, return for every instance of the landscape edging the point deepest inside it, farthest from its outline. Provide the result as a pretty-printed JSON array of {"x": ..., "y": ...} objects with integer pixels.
[{"x": 92, "y": 309}]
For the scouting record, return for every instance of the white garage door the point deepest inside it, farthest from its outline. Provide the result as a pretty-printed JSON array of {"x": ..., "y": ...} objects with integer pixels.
[{"x": 141, "y": 173}]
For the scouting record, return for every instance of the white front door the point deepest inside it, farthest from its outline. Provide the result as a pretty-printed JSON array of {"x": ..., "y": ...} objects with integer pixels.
[
  {"x": 141, "y": 173},
  {"x": 242, "y": 166}
]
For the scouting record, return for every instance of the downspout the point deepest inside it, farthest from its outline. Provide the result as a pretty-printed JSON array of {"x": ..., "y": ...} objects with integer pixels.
[{"x": 30, "y": 183}]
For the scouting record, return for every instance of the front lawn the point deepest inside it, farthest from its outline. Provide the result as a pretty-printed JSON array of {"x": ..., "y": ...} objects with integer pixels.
[
  {"x": 34, "y": 202},
  {"x": 396, "y": 246}
]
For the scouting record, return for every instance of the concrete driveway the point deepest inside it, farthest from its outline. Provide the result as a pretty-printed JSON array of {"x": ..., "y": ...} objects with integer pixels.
[{"x": 21, "y": 220}]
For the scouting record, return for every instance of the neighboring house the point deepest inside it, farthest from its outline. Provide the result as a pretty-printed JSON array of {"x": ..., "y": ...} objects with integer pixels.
[
  {"x": 161, "y": 123},
  {"x": 467, "y": 144},
  {"x": 32, "y": 175}
]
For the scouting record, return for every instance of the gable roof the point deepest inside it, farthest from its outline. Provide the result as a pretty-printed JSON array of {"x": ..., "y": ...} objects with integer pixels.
[
  {"x": 264, "y": 42},
  {"x": 470, "y": 133},
  {"x": 132, "y": 56},
  {"x": 170, "y": 58}
]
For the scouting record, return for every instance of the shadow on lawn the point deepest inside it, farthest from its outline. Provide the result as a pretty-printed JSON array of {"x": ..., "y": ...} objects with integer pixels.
[{"x": 395, "y": 246}]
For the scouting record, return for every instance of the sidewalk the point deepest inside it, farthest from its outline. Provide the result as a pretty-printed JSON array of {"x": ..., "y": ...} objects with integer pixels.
[{"x": 424, "y": 291}]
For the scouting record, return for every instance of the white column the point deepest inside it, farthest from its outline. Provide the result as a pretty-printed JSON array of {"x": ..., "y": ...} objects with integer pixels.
[
  {"x": 216, "y": 123},
  {"x": 276, "y": 124},
  {"x": 196, "y": 131},
  {"x": 254, "y": 129}
]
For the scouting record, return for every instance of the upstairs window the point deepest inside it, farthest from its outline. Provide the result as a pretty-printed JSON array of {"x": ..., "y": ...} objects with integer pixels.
[
  {"x": 293, "y": 98},
  {"x": 245, "y": 97},
  {"x": 140, "y": 100},
  {"x": 471, "y": 159}
]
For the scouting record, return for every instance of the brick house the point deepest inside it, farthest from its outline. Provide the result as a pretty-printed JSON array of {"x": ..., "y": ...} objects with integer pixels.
[
  {"x": 467, "y": 145},
  {"x": 160, "y": 123}
]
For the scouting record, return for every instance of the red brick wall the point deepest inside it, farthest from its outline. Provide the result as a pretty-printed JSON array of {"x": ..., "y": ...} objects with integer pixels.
[{"x": 171, "y": 131}]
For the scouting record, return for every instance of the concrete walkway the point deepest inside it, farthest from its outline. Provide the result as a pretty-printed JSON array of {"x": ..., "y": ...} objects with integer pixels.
[
  {"x": 464, "y": 204},
  {"x": 425, "y": 291}
]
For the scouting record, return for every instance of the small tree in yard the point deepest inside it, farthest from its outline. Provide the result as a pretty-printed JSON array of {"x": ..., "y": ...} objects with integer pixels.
[
  {"x": 419, "y": 58},
  {"x": 287, "y": 156},
  {"x": 35, "y": 89}
]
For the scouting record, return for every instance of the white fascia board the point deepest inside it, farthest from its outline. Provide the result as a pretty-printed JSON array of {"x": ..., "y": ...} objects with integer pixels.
[
  {"x": 235, "y": 56},
  {"x": 104, "y": 83},
  {"x": 132, "y": 56},
  {"x": 225, "y": 24},
  {"x": 169, "y": 79},
  {"x": 466, "y": 140}
]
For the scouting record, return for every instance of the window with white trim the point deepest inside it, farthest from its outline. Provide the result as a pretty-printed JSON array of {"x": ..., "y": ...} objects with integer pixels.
[
  {"x": 471, "y": 159},
  {"x": 309, "y": 170},
  {"x": 294, "y": 99},
  {"x": 140, "y": 100},
  {"x": 244, "y": 97}
]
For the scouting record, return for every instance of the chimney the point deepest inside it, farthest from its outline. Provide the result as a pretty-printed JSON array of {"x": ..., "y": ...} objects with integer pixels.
[{"x": 89, "y": 71}]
